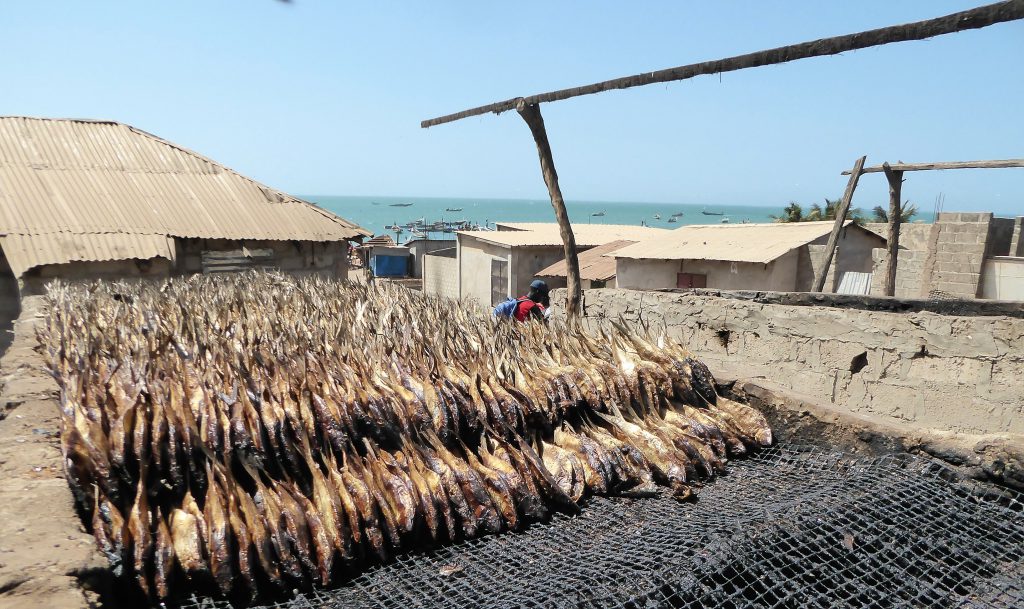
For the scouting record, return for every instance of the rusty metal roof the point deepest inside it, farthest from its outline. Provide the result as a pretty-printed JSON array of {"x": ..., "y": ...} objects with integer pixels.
[
  {"x": 526, "y": 234},
  {"x": 74, "y": 189},
  {"x": 595, "y": 265},
  {"x": 730, "y": 242}
]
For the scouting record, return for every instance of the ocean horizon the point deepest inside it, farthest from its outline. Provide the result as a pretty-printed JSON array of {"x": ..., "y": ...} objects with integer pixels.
[{"x": 376, "y": 213}]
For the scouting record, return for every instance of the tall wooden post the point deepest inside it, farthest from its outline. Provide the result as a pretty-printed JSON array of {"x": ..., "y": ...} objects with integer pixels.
[
  {"x": 895, "y": 179},
  {"x": 844, "y": 208},
  {"x": 574, "y": 297}
]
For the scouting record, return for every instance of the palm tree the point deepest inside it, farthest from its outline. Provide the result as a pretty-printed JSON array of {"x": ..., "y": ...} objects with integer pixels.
[
  {"x": 907, "y": 212},
  {"x": 794, "y": 212},
  {"x": 791, "y": 213}
]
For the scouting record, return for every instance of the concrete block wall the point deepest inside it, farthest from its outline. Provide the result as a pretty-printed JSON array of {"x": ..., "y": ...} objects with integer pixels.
[
  {"x": 932, "y": 370},
  {"x": 1017, "y": 239},
  {"x": 909, "y": 265},
  {"x": 956, "y": 252},
  {"x": 441, "y": 275}
]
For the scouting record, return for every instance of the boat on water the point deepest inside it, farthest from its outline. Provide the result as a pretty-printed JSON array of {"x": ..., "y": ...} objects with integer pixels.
[
  {"x": 672, "y": 219},
  {"x": 400, "y": 205},
  {"x": 657, "y": 216},
  {"x": 725, "y": 220},
  {"x": 597, "y": 214},
  {"x": 453, "y": 209},
  {"x": 712, "y": 213},
  {"x": 678, "y": 214},
  {"x": 374, "y": 203}
]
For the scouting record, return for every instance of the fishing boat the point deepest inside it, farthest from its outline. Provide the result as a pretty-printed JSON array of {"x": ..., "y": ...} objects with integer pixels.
[
  {"x": 597, "y": 214},
  {"x": 672, "y": 219},
  {"x": 401, "y": 205},
  {"x": 678, "y": 214},
  {"x": 453, "y": 209},
  {"x": 725, "y": 220},
  {"x": 657, "y": 216},
  {"x": 712, "y": 213}
]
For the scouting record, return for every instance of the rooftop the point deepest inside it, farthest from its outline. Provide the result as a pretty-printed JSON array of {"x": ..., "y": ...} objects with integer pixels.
[
  {"x": 77, "y": 190},
  {"x": 525, "y": 234},
  {"x": 594, "y": 264},
  {"x": 730, "y": 242}
]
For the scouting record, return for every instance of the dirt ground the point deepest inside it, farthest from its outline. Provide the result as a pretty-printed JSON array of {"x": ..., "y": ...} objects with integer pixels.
[{"x": 45, "y": 553}]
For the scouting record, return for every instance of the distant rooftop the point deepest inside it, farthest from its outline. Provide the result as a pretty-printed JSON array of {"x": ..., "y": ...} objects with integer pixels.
[
  {"x": 595, "y": 265},
  {"x": 730, "y": 242},
  {"x": 525, "y": 234}
]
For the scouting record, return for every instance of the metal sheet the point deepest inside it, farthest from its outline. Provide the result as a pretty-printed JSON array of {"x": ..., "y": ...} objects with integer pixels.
[
  {"x": 88, "y": 178},
  {"x": 857, "y": 284}
]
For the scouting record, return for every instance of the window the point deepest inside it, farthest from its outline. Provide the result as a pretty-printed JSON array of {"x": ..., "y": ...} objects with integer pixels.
[
  {"x": 499, "y": 281},
  {"x": 691, "y": 280},
  {"x": 598, "y": 283}
]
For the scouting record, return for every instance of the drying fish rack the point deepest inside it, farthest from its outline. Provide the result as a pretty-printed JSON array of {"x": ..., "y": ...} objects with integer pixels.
[{"x": 790, "y": 527}]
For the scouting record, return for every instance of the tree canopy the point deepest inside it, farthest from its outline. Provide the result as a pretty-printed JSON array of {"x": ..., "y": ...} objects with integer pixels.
[{"x": 794, "y": 212}]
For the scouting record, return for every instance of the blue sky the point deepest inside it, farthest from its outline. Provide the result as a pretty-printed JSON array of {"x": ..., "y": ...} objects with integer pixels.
[{"x": 325, "y": 97}]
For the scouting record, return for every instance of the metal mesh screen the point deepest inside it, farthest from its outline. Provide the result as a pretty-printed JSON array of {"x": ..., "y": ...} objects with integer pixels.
[{"x": 789, "y": 527}]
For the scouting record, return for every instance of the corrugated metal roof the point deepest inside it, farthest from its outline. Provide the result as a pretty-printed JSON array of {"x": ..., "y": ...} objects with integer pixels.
[
  {"x": 730, "y": 242},
  {"x": 542, "y": 233},
  {"x": 595, "y": 265},
  {"x": 73, "y": 180}
]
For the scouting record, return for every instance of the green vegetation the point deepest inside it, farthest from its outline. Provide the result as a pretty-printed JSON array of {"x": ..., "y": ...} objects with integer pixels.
[
  {"x": 794, "y": 212},
  {"x": 907, "y": 212}
]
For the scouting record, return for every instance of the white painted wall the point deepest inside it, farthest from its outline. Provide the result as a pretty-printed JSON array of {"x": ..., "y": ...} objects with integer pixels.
[
  {"x": 645, "y": 274},
  {"x": 779, "y": 275},
  {"x": 474, "y": 256},
  {"x": 1002, "y": 278}
]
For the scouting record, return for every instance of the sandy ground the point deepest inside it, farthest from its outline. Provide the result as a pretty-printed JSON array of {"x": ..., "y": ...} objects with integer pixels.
[{"x": 44, "y": 550}]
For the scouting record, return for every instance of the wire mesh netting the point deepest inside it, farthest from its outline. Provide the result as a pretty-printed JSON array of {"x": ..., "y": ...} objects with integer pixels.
[{"x": 789, "y": 527}]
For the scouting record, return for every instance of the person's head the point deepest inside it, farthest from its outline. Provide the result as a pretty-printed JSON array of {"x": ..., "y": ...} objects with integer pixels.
[{"x": 539, "y": 292}]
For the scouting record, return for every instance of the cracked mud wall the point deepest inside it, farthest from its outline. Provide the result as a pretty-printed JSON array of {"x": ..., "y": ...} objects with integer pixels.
[{"x": 960, "y": 373}]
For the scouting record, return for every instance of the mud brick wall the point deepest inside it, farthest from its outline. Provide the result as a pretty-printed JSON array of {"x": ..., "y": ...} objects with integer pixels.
[{"x": 961, "y": 373}]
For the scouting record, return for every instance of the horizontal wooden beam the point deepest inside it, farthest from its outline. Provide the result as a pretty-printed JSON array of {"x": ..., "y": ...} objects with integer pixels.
[
  {"x": 980, "y": 17},
  {"x": 1002, "y": 164}
]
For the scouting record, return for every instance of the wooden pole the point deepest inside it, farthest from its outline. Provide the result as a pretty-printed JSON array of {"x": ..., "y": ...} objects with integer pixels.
[
  {"x": 895, "y": 179},
  {"x": 844, "y": 208},
  {"x": 997, "y": 164},
  {"x": 982, "y": 16},
  {"x": 574, "y": 296}
]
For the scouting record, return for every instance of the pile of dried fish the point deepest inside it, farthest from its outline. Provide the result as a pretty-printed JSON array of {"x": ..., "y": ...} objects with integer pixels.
[{"x": 257, "y": 432}]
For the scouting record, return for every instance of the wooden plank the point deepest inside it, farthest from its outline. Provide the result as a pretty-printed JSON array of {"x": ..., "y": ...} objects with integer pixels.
[
  {"x": 574, "y": 288},
  {"x": 975, "y": 18},
  {"x": 998, "y": 164},
  {"x": 895, "y": 179},
  {"x": 844, "y": 208}
]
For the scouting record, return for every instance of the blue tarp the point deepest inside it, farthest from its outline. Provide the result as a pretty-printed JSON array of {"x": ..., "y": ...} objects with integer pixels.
[{"x": 389, "y": 266}]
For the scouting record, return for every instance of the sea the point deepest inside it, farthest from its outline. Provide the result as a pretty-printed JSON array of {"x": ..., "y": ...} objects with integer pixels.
[{"x": 377, "y": 213}]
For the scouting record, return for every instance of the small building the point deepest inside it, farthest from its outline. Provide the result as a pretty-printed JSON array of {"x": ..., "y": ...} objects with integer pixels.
[
  {"x": 779, "y": 257},
  {"x": 597, "y": 268},
  {"x": 490, "y": 266},
  {"x": 421, "y": 247},
  {"x": 88, "y": 198}
]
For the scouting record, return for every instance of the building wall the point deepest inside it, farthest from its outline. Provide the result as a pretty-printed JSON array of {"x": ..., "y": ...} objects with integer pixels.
[
  {"x": 1000, "y": 235},
  {"x": 10, "y": 303},
  {"x": 853, "y": 250},
  {"x": 1017, "y": 239},
  {"x": 646, "y": 274},
  {"x": 474, "y": 267},
  {"x": 294, "y": 257},
  {"x": 526, "y": 261},
  {"x": 938, "y": 371},
  {"x": 420, "y": 247},
  {"x": 810, "y": 258},
  {"x": 913, "y": 236},
  {"x": 1003, "y": 278},
  {"x": 909, "y": 271},
  {"x": 441, "y": 273}
]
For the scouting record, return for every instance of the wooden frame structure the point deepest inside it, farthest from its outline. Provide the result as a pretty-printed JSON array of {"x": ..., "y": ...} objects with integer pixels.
[
  {"x": 894, "y": 176},
  {"x": 529, "y": 107}
]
